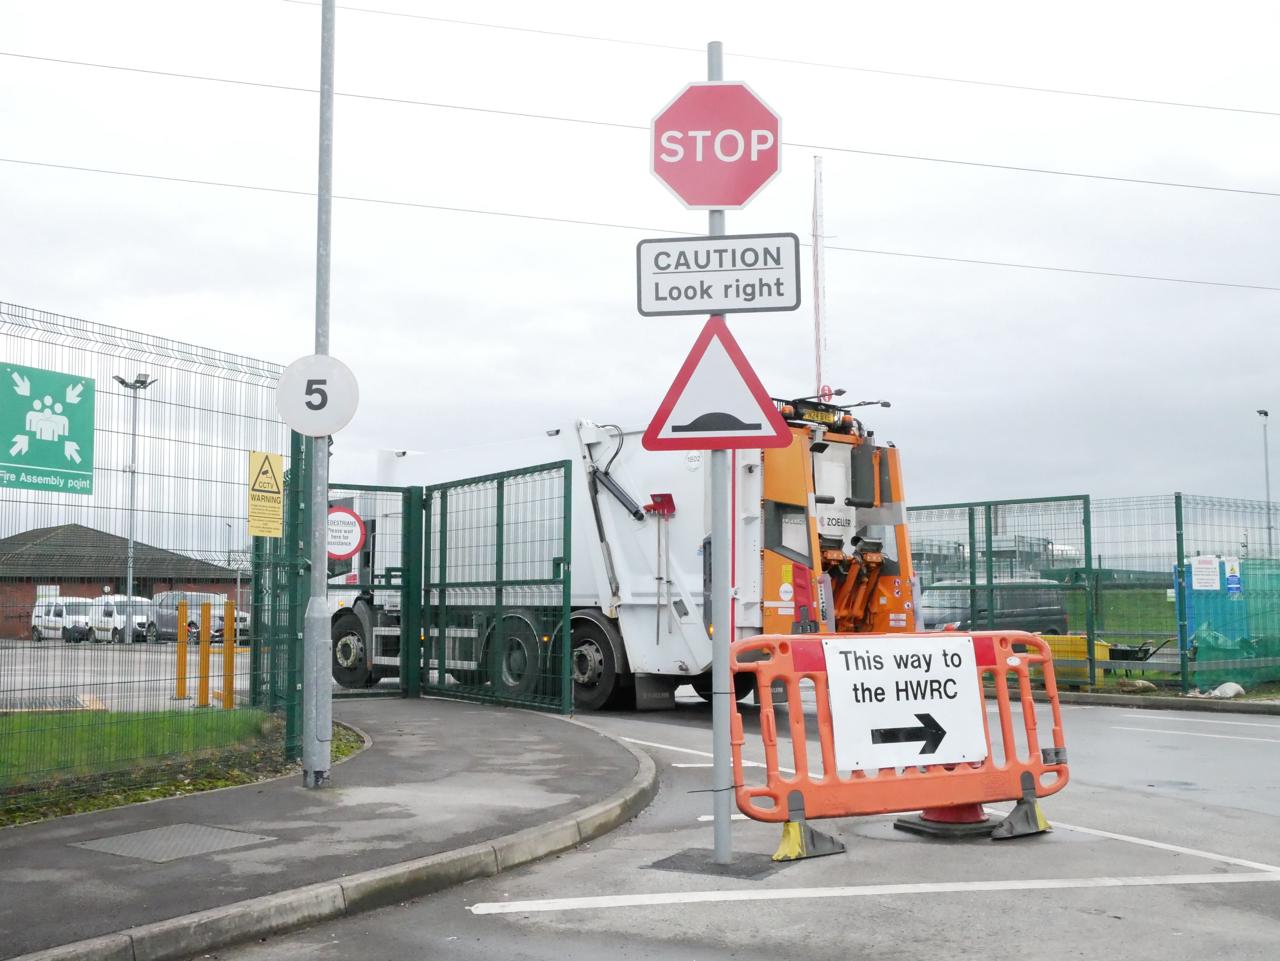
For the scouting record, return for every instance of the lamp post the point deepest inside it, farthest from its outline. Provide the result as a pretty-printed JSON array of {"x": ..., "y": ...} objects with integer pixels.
[
  {"x": 1266, "y": 473},
  {"x": 135, "y": 386}
]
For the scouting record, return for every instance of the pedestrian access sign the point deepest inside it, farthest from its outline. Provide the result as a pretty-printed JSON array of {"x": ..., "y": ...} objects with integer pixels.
[
  {"x": 266, "y": 495},
  {"x": 46, "y": 430},
  {"x": 904, "y": 701}
]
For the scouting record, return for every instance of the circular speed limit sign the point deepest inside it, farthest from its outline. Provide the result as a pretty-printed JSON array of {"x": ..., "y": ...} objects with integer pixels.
[{"x": 317, "y": 395}]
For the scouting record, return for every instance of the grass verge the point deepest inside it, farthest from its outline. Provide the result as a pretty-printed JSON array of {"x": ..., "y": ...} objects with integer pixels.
[{"x": 205, "y": 767}]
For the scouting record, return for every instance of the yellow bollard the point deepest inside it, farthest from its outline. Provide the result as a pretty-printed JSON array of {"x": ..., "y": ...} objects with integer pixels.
[
  {"x": 202, "y": 694},
  {"x": 229, "y": 655},
  {"x": 181, "y": 693}
]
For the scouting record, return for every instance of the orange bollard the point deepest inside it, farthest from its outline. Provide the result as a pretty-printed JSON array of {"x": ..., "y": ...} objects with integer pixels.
[
  {"x": 180, "y": 694},
  {"x": 202, "y": 692},
  {"x": 229, "y": 655}
]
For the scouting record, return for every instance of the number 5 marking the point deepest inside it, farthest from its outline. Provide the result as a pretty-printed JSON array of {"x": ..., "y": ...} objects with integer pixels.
[{"x": 315, "y": 389}]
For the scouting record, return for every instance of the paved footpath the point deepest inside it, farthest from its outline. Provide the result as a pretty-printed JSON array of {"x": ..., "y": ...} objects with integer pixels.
[{"x": 440, "y": 776}]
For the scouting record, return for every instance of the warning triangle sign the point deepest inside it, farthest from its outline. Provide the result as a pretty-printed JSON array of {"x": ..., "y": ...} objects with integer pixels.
[
  {"x": 717, "y": 402},
  {"x": 265, "y": 480}
]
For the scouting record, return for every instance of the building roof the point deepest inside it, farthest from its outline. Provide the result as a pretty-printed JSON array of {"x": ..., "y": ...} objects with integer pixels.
[{"x": 76, "y": 551}]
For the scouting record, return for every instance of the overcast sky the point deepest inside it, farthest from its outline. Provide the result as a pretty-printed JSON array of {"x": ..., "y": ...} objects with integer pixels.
[{"x": 461, "y": 326}]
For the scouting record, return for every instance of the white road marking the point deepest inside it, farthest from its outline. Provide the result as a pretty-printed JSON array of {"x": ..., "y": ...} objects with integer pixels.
[
  {"x": 1174, "y": 848},
  {"x": 855, "y": 891},
  {"x": 1222, "y": 737},
  {"x": 1146, "y": 716},
  {"x": 689, "y": 750}
]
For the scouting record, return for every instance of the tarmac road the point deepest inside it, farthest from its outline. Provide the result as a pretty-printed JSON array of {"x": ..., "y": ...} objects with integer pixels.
[{"x": 1166, "y": 846}]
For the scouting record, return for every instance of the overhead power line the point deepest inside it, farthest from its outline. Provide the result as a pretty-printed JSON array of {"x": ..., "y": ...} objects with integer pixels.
[
  {"x": 584, "y": 121},
  {"x": 662, "y": 231},
  {"x": 939, "y": 78}
]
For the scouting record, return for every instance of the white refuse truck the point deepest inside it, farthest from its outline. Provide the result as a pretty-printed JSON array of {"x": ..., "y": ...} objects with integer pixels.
[{"x": 819, "y": 543}]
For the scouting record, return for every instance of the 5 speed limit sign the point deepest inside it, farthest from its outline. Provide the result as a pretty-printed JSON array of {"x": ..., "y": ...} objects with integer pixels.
[{"x": 317, "y": 395}]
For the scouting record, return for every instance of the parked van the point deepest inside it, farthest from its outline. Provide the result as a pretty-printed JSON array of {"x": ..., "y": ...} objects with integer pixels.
[
  {"x": 119, "y": 619},
  {"x": 46, "y": 618},
  {"x": 1028, "y": 604}
]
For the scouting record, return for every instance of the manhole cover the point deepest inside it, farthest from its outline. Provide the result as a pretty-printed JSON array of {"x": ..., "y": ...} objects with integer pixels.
[{"x": 172, "y": 843}]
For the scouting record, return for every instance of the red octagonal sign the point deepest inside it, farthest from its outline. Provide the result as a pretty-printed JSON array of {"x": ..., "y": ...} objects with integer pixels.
[{"x": 715, "y": 145}]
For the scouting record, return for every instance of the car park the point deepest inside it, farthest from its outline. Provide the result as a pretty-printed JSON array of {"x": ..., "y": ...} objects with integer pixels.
[{"x": 1027, "y": 604}]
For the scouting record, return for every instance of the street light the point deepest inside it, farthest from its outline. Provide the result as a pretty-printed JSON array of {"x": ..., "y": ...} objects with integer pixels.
[
  {"x": 136, "y": 386},
  {"x": 1266, "y": 473}
]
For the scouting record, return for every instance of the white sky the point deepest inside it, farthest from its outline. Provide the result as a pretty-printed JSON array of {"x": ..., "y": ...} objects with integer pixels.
[{"x": 1005, "y": 382}]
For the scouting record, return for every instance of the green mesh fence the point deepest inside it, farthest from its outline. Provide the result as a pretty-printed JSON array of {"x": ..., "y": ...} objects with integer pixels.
[
  {"x": 1180, "y": 590},
  {"x": 123, "y": 492}
]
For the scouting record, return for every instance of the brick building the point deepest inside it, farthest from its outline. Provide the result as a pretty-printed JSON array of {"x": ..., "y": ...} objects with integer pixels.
[{"x": 83, "y": 562}]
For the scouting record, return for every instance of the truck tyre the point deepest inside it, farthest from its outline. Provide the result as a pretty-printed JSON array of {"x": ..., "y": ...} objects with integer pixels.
[
  {"x": 515, "y": 665},
  {"x": 35, "y": 635},
  {"x": 743, "y": 684},
  {"x": 350, "y": 660},
  {"x": 597, "y": 667}
]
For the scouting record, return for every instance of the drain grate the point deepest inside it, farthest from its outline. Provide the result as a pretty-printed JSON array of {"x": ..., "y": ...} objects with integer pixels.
[
  {"x": 172, "y": 843},
  {"x": 49, "y": 702}
]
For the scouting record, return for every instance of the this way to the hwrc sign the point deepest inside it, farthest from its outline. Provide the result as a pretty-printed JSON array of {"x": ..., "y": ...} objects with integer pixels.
[{"x": 904, "y": 701}]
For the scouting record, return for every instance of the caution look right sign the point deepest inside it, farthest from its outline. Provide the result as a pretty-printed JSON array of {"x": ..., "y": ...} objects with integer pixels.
[{"x": 266, "y": 495}]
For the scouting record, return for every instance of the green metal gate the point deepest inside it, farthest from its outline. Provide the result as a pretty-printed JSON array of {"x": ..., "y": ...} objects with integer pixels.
[{"x": 497, "y": 588}]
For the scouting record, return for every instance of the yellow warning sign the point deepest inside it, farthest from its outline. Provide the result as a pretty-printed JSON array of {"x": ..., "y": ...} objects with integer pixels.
[{"x": 266, "y": 495}]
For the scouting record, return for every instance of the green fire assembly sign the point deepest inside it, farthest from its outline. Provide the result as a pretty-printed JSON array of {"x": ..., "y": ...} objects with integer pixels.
[{"x": 46, "y": 430}]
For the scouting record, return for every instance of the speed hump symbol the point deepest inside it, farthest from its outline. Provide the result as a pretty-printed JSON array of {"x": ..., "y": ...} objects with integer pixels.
[{"x": 317, "y": 395}]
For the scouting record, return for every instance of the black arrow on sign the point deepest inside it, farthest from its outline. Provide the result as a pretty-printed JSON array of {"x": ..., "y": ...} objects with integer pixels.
[{"x": 930, "y": 731}]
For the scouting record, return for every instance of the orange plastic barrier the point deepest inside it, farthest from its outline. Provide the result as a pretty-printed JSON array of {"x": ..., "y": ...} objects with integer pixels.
[{"x": 1005, "y": 660}]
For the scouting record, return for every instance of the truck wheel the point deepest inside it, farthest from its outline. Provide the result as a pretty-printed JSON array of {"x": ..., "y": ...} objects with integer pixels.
[
  {"x": 152, "y": 634},
  {"x": 35, "y": 635},
  {"x": 596, "y": 676},
  {"x": 743, "y": 684},
  {"x": 115, "y": 635},
  {"x": 516, "y": 664},
  {"x": 350, "y": 662}
]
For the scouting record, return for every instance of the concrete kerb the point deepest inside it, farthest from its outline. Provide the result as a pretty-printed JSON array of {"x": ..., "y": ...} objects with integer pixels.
[
  {"x": 181, "y": 938},
  {"x": 1165, "y": 703}
]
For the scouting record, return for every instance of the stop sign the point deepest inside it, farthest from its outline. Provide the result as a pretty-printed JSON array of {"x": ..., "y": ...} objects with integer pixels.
[{"x": 715, "y": 145}]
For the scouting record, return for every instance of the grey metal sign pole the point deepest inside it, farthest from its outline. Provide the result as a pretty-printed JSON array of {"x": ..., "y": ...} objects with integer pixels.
[
  {"x": 721, "y": 601},
  {"x": 317, "y": 693}
]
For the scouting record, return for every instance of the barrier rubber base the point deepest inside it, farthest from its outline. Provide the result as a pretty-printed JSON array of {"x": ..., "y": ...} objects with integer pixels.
[
  {"x": 916, "y": 824},
  {"x": 800, "y": 841}
]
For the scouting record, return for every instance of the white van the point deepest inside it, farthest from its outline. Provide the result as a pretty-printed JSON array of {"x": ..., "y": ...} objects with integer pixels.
[
  {"x": 46, "y": 618},
  {"x": 111, "y": 615}
]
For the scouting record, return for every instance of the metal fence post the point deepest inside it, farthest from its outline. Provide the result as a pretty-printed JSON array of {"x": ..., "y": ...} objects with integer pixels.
[
  {"x": 442, "y": 604},
  {"x": 1090, "y": 589},
  {"x": 297, "y": 534},
  {"x": 497, "y": 648},
  {"x": 1180, "y": 593},
  {"x": 973, "y": 567},
  {"x": 411, "y": 546},
  {"x": 566, "y": 573},
  {"x": 988, "y": 517},
  {"x": 257, "y": 602}
]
